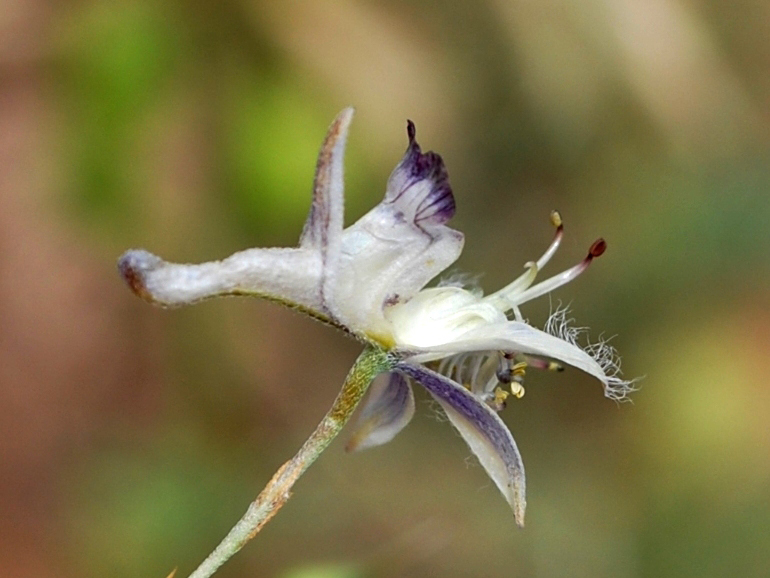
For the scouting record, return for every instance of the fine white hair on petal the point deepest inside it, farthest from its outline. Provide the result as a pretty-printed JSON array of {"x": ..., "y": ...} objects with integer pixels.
[
  {"x": 467, "y": 281},
  {"x": 559, "y": 324}
]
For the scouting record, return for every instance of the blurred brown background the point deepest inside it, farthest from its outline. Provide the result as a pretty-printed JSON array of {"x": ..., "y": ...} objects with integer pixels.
[{"x": 131, "y": 438}]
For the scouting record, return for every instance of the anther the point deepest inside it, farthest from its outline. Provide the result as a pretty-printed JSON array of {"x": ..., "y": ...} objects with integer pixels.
[
  {"x": 517, "y": 389},
  {"x": 556, "y": 219},
  {"x": 597, "y": 249},
  {"x": 553, "y": 366},
  {"x": 508, "y": 373},
  {"x": 499, "y": 401}
]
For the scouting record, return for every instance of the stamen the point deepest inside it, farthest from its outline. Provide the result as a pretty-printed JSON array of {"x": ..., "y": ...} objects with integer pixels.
[
  {"x": 507, "y": 373},
  {"x": 499, "y": 401},
  {"x": 512, "y": 375},
  {"x": 553, "y": 366},
  {"x": 501, "y": 297},
  {"x": 597, "y": 249},
  {"x": 484, "y": 374},
  {"x": 556, "y": 222},
  {"x": 543, "y": 364}
]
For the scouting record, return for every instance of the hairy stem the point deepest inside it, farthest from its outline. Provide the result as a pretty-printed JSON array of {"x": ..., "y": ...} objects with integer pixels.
[{"x": 369, "y": 364}]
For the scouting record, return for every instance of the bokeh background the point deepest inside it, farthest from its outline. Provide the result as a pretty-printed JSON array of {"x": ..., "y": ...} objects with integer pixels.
[{"x": 132, "y": 438}]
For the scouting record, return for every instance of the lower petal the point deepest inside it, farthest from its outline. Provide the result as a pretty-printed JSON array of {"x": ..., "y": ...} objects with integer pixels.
[
  {"x": 521, "y": 338},
  {"x": 483, "y": 431},
  {"x": 388, "y": 407}
]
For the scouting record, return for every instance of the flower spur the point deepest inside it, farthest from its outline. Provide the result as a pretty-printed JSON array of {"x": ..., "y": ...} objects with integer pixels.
[{"x": 468, "y": 351}]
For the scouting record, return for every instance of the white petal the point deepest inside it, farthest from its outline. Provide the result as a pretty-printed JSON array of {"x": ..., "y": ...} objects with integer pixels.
[
  {"x": 438, "y": 315},
  {"x": 396, "y": 248},
  {"x": 291, "y": 276},
  {"x": 518, "y": 337},
  {"x": 388, "y": 407},
  {"x": 323, "y": 228}
]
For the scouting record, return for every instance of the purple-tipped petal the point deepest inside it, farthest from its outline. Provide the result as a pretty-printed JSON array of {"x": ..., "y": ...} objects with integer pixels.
[
  {"x": 388, "y": 407},
  {"x": 483, "y": 431},
  {"x": 419, "y": 185},
  {"x": 394, "y": 250}
]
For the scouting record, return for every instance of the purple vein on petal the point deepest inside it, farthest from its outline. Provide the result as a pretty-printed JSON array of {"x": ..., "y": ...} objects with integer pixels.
[
  {"x": 420, "y": 184},
  {"x": 323, "y": 227},
  {"x": 387, "y": 408},
  {"x": 483, "y": 431},
  {"x": 326, "y": 212}
]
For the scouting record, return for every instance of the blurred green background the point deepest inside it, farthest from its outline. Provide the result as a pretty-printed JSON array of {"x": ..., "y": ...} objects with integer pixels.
[{"x": 132, "y": 438}]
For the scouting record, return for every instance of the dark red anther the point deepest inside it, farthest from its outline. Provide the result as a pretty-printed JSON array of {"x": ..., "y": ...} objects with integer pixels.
[{"x": 597, "y": 249}]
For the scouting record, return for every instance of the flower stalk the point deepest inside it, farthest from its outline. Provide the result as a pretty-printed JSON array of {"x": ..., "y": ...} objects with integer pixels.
[{"x": 276, "y": 493}]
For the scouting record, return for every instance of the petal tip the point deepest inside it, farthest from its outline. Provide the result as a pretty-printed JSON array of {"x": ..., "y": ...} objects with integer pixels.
[
  {"x": 519, "y": 508},
  {"x": 411, "y": 131},
  {"x": 421, "y": 182},
  {"x": 133, "y": 266},
  {"x": 353, "y": 444},
  {"x": 346, "y": 114}
]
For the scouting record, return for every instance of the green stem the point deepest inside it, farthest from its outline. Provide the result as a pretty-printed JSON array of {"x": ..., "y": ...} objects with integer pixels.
[{"x": 369, "y": 364}]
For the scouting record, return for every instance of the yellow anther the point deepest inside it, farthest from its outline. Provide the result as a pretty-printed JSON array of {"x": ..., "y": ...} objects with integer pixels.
[
  {"x": 500, "y": 396},
  {"x": 556, "y": 218},
  {"x": 553, "y": 366},
  {"x": 517, "y": 389},
  {"x": 519, "y": 369}
]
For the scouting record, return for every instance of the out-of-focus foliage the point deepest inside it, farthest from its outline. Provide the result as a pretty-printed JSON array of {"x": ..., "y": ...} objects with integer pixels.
[{"x": 131, "y": 438}]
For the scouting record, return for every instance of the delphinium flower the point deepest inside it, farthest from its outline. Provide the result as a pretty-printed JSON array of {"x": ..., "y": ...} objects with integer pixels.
[{"x": 469, "y": 351}]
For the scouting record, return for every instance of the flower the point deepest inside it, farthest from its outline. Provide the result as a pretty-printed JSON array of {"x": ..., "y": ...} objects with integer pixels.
[{"x": 469, "y": 351}]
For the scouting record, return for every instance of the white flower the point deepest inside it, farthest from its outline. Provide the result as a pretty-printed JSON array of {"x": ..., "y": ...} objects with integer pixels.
[{"x": 368, "y": 280}]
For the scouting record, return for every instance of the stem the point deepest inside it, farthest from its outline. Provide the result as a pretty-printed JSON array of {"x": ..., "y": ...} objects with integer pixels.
[{"x": 369, "y": 364}]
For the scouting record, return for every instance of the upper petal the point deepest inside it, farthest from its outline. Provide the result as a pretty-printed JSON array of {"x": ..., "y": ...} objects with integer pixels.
[
  {"x": 483, "y": 431},
  {"x": 420, "y": 185},
  {"x": 323, "y": 228},
  {"x": 294, "y": 277},
  {"x": 395, "y": 249}
]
